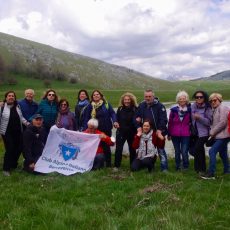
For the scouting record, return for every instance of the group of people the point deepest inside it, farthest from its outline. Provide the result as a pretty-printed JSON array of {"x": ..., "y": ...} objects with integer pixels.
[{"x": 25, "y": 125}]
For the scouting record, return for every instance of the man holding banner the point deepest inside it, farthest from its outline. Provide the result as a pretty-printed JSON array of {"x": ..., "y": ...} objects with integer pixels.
[{"x": 68, "y": 152}]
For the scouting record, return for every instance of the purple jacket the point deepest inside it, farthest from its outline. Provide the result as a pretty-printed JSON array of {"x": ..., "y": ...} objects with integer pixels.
[
  {"x": 202, "y": 124},
  {"x": 176, "y": 127}
]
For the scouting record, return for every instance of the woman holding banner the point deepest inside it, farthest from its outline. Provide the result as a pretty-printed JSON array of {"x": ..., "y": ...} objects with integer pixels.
[
  {"x": 101, "y": 110},
  {"x": 99, "y": 158}
]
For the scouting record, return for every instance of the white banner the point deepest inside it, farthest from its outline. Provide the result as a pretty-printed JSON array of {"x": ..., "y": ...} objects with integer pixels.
[{"x": 68, "y": 152}]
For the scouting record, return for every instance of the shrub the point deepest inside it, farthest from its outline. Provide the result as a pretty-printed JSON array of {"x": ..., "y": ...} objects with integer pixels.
[
  {"x": 12, "y": 81},
  {"x": 73, "y": 80},
  {"x": 47, "y": 83}
]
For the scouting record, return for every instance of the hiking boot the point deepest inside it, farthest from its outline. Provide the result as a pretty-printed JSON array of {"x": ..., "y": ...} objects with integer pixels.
[{"x": 208, "y": 176}]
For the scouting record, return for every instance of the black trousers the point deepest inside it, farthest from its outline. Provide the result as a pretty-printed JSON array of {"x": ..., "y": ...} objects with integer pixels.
[
  {"x": 107, "y": 150},
  {"x": 147, "y": 162},
  {"x": 121, "y": 138},
  {"x": 13, "y": 149},
  {"x": 98, "y": 161},
  {"x": 199, "y": 154}
]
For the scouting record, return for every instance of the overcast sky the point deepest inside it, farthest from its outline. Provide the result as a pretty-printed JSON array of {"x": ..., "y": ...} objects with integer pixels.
[{"x": 157, "y": 37}]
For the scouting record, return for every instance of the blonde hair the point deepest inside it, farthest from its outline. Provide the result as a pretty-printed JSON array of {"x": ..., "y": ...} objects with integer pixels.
[
  {"x": 132, "y": 98},
  {"x": 182, "y": 93},
  {"x": 217, "y": 95}
]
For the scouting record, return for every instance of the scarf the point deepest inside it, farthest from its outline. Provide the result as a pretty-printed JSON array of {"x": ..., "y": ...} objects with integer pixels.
[
  {"x": 64, "y": 119},
  {"x": 95, "y": 107},
  {"x": 83, "y": 103},
  {"x": 182, "y": 111},
  {"x": 146, "y": 147}
]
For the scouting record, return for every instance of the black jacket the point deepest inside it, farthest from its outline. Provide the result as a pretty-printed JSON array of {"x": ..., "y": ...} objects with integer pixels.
[
  {"x": 33, "y": 144},
  {"x": 126, "y": 119}
]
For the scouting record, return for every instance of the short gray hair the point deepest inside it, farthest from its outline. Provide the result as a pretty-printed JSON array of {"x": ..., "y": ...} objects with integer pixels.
[
  {"x": 93, "y": 122},
  {"x": 182, "y": 94},
  {"x": 29, "y": 90}
]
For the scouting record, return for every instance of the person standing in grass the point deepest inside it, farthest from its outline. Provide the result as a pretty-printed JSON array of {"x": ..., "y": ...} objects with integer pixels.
[
  {"x": 146, "y": 142},
  {"x": 127, "y": 130},
  {"x": 201, "y": 114},
  {"x": 153, "y": 110},
  {"x": 11, "y": 129},
  {"x": 65, "y": 118},
  {"x": 219, "y": 132},
  {"x": 101, "y": 110},
  {"x": 28, "y": 106},
  {"x": 48, "y": 108},
  {"x": 100, "y": 157},
  {"x": 34, "y": 138},
  {"x": 80, "y": 108},
  {"x": 179, "y": 129}
]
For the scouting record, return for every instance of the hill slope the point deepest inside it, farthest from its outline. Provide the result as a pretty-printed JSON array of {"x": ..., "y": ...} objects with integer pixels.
[
  {"x": 224, "y": 75},
  {"x": 86, "y": 70}
]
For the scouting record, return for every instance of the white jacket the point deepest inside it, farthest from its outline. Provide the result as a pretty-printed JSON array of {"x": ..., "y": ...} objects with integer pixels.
[{"x": 5, "y": 115}]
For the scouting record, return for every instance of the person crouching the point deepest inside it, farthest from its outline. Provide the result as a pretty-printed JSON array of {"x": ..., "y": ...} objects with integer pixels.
[
  {"x": 146, "y": 142},
  {"x": 99, "y": 158},
  {"x": 34, "y": 138}
]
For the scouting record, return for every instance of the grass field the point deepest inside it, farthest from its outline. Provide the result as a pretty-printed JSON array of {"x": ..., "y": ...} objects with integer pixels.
[
  {"x": 108, "y": 200},
  {"x": 69, "y": 91}
]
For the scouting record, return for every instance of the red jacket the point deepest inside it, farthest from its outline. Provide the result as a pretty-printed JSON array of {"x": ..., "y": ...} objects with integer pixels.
[
  {"x": 107, "y": 140},
  {"x": 155, "y": 140}
]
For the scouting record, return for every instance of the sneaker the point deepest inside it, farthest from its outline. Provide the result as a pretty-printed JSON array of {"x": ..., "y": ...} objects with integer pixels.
[
  {"x": 115, "y": 169},
  {"x": 6, "y": 173},
  {"x": 208, "y": 176}
]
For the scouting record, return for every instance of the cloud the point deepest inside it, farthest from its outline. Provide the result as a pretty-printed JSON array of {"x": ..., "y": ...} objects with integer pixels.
[{"x": 159, "y": 38}]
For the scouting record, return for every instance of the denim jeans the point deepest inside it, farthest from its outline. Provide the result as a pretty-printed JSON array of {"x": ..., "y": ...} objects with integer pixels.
[
  {"x": 221, "y": 146},
  {"x": 181, "y": 146},
  {"x": 163, "y": 159}
]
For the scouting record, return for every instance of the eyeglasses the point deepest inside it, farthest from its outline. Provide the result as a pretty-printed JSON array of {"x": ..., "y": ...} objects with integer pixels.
[
  {"x": 199, "y": 97},
  {"x": 51, "y": 94},
  {"x": 64, "y": 104},
  {"x": 213, "y": 100}
]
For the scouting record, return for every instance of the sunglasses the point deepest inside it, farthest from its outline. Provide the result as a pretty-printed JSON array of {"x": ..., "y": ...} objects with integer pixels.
[
  {"x": 213, "y": 100},
  {"x": 63, "y": 104},
  {"x": 199, "y": 97},
  {"x": 51, "y": 94}
]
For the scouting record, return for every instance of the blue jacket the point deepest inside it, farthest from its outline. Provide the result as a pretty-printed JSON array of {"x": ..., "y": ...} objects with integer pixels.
[
  {"x": 28, "y": 108},
  {"x": 156, "y": 113},
  {"x": 105, "y": 115},
  {"x": 49, "y": 112}
]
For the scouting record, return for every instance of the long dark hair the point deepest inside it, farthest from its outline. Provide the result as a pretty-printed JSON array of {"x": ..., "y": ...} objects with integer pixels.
[
  {"x": 102, "y": 96},
  {"x": 47, "y": 92},
  {"x": 86, "y": 93},
  {"x": 6, "y": 94}
]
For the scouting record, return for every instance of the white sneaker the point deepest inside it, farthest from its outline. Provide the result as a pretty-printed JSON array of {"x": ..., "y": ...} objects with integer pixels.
[
  {"x": 115, "y": 169},
  {"x": 6, "y": 173}
]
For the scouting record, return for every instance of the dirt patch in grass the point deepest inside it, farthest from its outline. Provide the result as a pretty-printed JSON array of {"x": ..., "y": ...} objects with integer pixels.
[{"x": 159, "y": 186}]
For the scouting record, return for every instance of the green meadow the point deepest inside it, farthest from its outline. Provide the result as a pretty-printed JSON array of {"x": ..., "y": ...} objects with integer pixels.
[
  {"x": 114, "y": 200},
  {"x": 108, "y": 200},
  {"x": 67, "y": 90}
]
